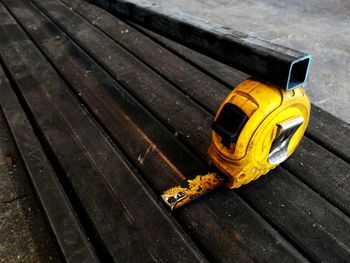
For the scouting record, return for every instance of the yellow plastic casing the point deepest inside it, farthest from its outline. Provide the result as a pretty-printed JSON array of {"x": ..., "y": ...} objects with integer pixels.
[{"x": 266, "y": 106}]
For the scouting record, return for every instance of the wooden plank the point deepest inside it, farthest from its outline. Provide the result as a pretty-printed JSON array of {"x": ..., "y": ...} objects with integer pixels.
[
  {"x": 146, "y": 50},
  {"x": 244, "y": 237},
  {"x": 132, "y": 74},
  {"x": 316, "y": 227},
  {"x": 309, "y": 244},
  {"x": 210, "y": 93},
  {"x": 64, "y": 223},
  {"x": 330, "y": 177},
  {"x": 124, "y": 219},
  {"x": 188, "y": 79},
  {"x": 322, "y": 124},
  {"x": 260, "y": 58},
  {"x": 331, "y": 132},
  {"x": 322, "y": 171},
  {"x": 228, "y": 76}
]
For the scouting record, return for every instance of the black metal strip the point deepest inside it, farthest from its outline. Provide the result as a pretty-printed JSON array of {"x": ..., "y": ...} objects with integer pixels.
[{"x": 285, "y": 67}]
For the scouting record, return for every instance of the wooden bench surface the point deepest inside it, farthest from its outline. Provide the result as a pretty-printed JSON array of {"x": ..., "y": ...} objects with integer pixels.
[{"x": 106, "y": 115}]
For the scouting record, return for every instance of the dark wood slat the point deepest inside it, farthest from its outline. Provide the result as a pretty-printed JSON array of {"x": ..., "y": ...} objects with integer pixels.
[
  {"x": 132, "y": 74},
  {"x": 259, "y": 58},
  {"x": 125, "y": 219},
  {"x": 320, "y": 169},
  {"x": 188, "y": 79},
  {"x": 228, "y": 76},
  {"x": 313, "y": 224},
  {"x": 244, "y": 237},
  {"x": 323, "y": 171},
  {"x": 210, "y": 94},
  {"x": 309, "y": 244},
  {"x": 329, "y": 177},
  {"x": 64, "y": 223},
  {"x": 329, "y": 131}
]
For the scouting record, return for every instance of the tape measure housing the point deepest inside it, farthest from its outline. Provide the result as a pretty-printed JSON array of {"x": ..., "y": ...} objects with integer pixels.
[{"x": 257, "y": 127}]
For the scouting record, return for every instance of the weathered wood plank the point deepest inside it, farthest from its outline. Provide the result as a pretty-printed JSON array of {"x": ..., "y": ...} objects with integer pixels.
[
  {"x": 331, "y": 132},
  {"x": 64, "y": 223},
  {"x": 188, "y": 79},
  {"x": 316, "y": 227},
  {"x": 309, "y": 244},
  {"x": 132, "y": 74},
  {"x": 330, "y": 177},
  {"x": 262, "y": 59},
  {"x": 222, "y": 73},
  {"x": 320, "y": 169},
  {"x": 244, "y": 237},
  {"x": 141, "y": 46},
  {"x": 323, "y": 171},
  {"x": 124, "y": 218},
  {"x": 210, "y": 93}
]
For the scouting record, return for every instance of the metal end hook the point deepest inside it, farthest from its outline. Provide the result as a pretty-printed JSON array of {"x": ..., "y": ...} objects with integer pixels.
[{"x": 173, "y": 199}]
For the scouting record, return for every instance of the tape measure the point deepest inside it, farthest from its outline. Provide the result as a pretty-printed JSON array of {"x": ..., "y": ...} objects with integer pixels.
[{"x": 257, "y": 127}]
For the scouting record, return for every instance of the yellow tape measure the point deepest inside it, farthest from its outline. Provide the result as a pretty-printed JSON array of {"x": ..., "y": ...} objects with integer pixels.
[{"x": 257, "y": 127}]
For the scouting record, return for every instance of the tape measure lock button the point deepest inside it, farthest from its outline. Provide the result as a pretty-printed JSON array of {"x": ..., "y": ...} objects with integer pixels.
[{"x": 229, "y": 123}]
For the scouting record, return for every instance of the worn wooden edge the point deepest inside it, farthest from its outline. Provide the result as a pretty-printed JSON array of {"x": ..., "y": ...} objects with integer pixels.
[
  {"x": 321, "y": 202},
  {"x": 194, "y": 215},
  {"x": 157, "y": 227},
  {"x": 59, "y": 212}
]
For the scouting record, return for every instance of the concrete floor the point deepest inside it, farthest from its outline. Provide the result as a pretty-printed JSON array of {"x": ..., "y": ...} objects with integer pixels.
[
  {"x": 24, "y": 235},
  {"x": 318, "y": 27}
]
